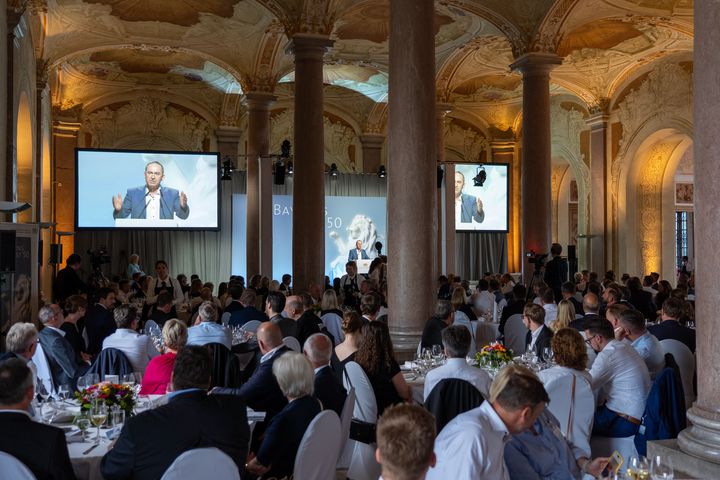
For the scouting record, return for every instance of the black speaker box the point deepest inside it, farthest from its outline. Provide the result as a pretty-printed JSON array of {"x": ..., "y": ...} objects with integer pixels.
[
  {"x": 7, "y": 251},
  {"x": 55, "y": 253},
  {"x": 279, "y": 177}
]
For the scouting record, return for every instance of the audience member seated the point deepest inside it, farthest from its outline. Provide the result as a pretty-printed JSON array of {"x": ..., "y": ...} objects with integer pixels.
[
  {"x": 328, "y": 389},
  {"x": 68, "y": 282},
  {"x": 565, "y": 315},
  {"x": 568, "y": 291},
  {"x": 308, "y": 323},
  {"x": 163, "y": 310},
  {"x": 370, "y": 304},
  {"x": 151, "y": 440},
  {"x": 123, "y": 293},
  {"x": 621, "y": 380},
  {"x": 99, "y": 321},
  {"x": 352, "y": 328},
  {"x": 289, "y": 322},
  {"x": 541, "y": 451},
  {"x": 669, "y": 326},
  {"x": 275, "y": 304},
  {"x": 432, "y": 333},
  {"x": 591, "y": 307},
  {"x": 158, "y": 373},
  {"x": 640, "y": 299},
  {"x": 350, "y": 285},
  {"x": 276, "y": 456},
  {"x": 329, "y": 304},
  {"x": 236, "y": 303},
  {"x": 548, "y": 304},
  {"x": 571, "y": 358},
  {"x": 458, "y": 301},
  {"x": 21, "y": 342},
  {"x": 64, "y": 367},
  {"x": 40, "y": 447},
  {"x": 484, "y": 301},
  {"x": 539, "y": 335},
  {"x": 473, "y": 444},
  {"x": 240, "y": 317},
  {"x": 405, "y": 441},
  {"x": 514, "y": 307},
  {"x": 207, "y": 330},
  {"x": 644, "y": 342},
  {"x": 138, "y": 349},
  {"x": 456, "y": 341},
  {"x": 376, "y": 357},
  {"x": 75, "y": 308},
  {"x": 613, "y": 314}
]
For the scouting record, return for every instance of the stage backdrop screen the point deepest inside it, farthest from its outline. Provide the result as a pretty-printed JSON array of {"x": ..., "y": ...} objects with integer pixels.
[
  {"x": 347, "y": 219},
  {"x": 481, "y": 208},
  {"x": 146, "y": 189}
]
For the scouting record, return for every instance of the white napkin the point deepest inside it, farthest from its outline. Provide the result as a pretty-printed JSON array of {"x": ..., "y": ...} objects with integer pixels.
[{"x": 73, "y": 436}]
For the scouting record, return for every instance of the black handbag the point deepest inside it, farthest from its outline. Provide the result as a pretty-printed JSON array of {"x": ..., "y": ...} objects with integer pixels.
[{"x": 363, "y": 432}]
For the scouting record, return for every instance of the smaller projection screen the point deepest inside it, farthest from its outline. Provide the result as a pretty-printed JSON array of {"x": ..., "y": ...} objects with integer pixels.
[
  {"x": 481, "y": 197},
  {"x": 146, "y": 190}
]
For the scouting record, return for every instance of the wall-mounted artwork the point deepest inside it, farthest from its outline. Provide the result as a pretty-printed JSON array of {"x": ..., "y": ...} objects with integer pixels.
[{"x": 684, "y": 193}]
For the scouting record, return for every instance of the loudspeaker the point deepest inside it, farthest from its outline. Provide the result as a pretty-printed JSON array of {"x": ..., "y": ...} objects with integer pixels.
[
  {"x": 279, "y": 177},
  {"x": 440, "y": 174},
  {"x": 55, "y": 253},
  {"x": 572, "y": 260},
  {"x": 7, "y": 251}
]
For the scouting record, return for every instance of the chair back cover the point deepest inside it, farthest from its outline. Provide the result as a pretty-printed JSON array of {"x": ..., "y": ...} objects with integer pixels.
[
  {"x": 226, "y": 366},
  {"x": 319, "y": 448},
  {"x": 686, "y": 362},
  {"x": 292, "y": 343},
  {"x": 201, "y": 462},
  {"x": 225, "y": 318},
  {"x": 111, "y": 361},
  {"x": 515, "y": 331},
  {"x": 451, "y": 397},
  {"x": 152, "y": 328},
  {"x": 333, "y": 323},
  {"x": 576, "y": 425},
  {"x": 252, "y": 326},
  {"x": 43, "y": 369},
  {"x": 345, "y": 420},
  {"x": 363, "y": 465},
  {"x": 462, "y": 319},
  {"x": 13, "y": 468}
]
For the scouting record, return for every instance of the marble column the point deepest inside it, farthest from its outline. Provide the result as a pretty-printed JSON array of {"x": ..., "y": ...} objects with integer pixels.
[
  {"x": 445, "y": 200},
  {"x": 505, "y": 151},
  {"x": 308, "y": 236},
  {"x": 259, "y": 185},
  {"x": 536, "y": 154},
  {"x": 371, "y": 151},
  {"x": 598, "y": 190},
  {"x": 412, "y": 180},
  {"x": 702, "y": 439},
  {"x": 65, "y": 139}
]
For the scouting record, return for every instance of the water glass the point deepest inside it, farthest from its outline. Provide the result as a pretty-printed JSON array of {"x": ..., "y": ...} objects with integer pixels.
[
  {"x": 117, "y": 417},
  {"x": 64, "y": 392},
  {"x": 128, "y": 379},
  {"x": 661, "y": 469},
  {"x": 83, "y": 423}
]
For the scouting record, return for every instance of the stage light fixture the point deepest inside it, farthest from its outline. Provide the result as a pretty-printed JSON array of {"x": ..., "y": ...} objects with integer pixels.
[
  {"x": 227, "y": 170},
  {"x": 289, "y": 170},
  {"x": 480, "y": 176},
  {"x": 382, "y": 173},
  {"x": 333, "y": 170}
]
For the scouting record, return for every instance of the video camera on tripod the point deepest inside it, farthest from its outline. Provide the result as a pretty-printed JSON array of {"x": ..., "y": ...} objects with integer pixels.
[
  {"x": 98, "y": 257},
  {"x": 538, "y": 259}
]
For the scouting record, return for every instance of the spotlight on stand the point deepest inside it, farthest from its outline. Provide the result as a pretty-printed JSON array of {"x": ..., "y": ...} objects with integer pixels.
[
  {"x": 333, "y": 170},
  {"x": 382, "y": 173},
  {"x": 480, "y": 177},
  {"x": 283, "y": 161},
  {"x": 227, "y": 169},
  {"x": 289, "y": 170}
]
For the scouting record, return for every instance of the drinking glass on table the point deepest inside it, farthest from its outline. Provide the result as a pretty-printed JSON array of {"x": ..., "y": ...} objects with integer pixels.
[
  {"x": 128, "y": 379},
  {"x": 64, "y": 392},
  {"x": 83, "y": 423},
  {"x": 661, "y": 469},
  {"x": 437, "y": 354},
  {"x": 98, "y": 415},
  {"x": 638, "y": 468}
]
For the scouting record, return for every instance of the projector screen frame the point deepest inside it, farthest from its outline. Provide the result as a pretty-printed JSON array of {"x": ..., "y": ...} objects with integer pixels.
[
  {"x": 152, "y": 152},
  {"x": 507, "y": 194}
]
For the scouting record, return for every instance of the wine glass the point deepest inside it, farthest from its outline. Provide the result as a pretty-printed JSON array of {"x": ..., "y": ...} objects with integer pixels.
[
  {"x": 83, "y": 423},
  {"x": 661, "y": 469},
  {"x": 64, "y": 392},
  {"x": 437, "y": 354},
  {"x": 638, "y": 468},
  {"x": 98, "y": 415},
  {"x": 128, "y": 379}
]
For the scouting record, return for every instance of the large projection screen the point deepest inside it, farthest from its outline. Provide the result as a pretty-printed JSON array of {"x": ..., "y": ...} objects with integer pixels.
[
  {"x": 347, "y": 219},
  {"x": 481, "y": 208},
  {"x": 123, "y": 189}
]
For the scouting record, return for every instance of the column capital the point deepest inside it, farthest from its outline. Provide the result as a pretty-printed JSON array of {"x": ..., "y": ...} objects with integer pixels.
[
  {"x": 259, "y": 100},
  {"x": 503, "y": 145},
  {"x": 536, "y": 63},
  {"x": 372, "y": 140},
  {"x": 64, "y": 128},
  {"x": 598, "y": 121},
  {"x": 308, "y": 45},
  {"x": 228, "y": 134}
]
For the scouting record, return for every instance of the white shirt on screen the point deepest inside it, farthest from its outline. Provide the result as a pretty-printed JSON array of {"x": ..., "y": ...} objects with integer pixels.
[
  {"x": 472, "y": 445},
  {"x": 620, "y": 377},
  {"x": 458, "y": 209},
  {"x": 458, "y": 368},
  {"x": 152, "y": 205}
]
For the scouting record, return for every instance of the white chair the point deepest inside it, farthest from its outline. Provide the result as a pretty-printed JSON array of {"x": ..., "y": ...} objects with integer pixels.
[
  {"x": 363, "y": 465},
  {"x": 345, "y": 420},
  {"x": 515, "y": 332},
  {"x": 43, "y": 369},
  {"x": 686, "y": 361},
  {"x": 575, "y": 412},
  {"x": 333, "y": 323},
  {"x": 319, "y": 448},
  {"x": 251, "y": 326},
  {"x": 13, "y": 468},
  {"x": 225, "y": 318},
  {"x": 462, "y": 319},
  {"x": 152, "y": 328},
  {"x": 197, "y": 463},
  {"x": 591, "y": 355},
  {"x": 292, "y": 343}
]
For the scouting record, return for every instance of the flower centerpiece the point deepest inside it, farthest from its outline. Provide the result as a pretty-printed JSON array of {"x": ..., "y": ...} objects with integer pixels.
[
  {"x": 493, "y": 356},
  {"x": 110, "y": 393}
]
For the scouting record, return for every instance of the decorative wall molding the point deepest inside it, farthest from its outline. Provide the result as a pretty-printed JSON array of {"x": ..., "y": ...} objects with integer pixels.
[{"x": 467, "y": 142}]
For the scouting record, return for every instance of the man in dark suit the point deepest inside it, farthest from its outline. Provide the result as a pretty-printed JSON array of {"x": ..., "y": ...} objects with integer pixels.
[
  {"x": 248, "y": 312},
  {"x": 539, "y": 336},
  {"x": 514, "y": 307},
  {"x": 152, "y": 200},
  {"x": 235, "y": 304},
  {"x": 164, "y": 309},
  {"x": 640, "y": 299},
  {"x": 432, "y": 333},
  {"x": 67, "y": 281},
  {"x": 40, "y": 447},
  {"x": 308, "y": 323},
  {"x": 358, "y": 253},
  {"x": 61, "y": 357},
  {"x": 568, "y": 290},
  {"x": 670, "y": 328},
  {"x": 556, "y": 271},
  {"x": 591, "y": 305},
  {"x": 328, "y": 389},
  {"x": 152, "y": 440},
  {"x": 471, "y": 207},
  {"x": 288, "y": 326},
  {"x": 99, "y": 321}
]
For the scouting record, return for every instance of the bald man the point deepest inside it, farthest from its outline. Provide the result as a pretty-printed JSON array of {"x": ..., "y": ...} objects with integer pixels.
[
  {"x": 591, "y": 306},
  {"x": 318, "y": 350}
]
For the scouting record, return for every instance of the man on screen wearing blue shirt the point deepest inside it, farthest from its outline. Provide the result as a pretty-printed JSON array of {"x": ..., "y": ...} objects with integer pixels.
[
  {"x": 153, "y": 201},
  {"x": 467, "y": 207}
]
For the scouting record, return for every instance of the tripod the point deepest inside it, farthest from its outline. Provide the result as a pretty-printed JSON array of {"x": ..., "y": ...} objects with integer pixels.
[{"x": 537, "y": 275}]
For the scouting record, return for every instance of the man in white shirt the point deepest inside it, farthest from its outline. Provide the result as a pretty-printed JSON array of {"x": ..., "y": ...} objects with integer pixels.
[
  {"x": 548, "y": 303},
  {"x": 621, "y": 379},
  {"x": 207, "y": 330},
  {"x": 405, "y": 438},
  {"x": 644, "y": 342},
  {"x": 456, "y": 341},
  {"x": 164, "y": 282},
  {"x": 137, "y": 348},
  {"x": 484, "y": 302},
  {"x": 473, "y": 444}
]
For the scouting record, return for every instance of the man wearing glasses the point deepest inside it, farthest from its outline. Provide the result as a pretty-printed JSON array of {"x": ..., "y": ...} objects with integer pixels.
[
  {"x": 621, "y": 380},
  {"x": 153, "y": 201}
]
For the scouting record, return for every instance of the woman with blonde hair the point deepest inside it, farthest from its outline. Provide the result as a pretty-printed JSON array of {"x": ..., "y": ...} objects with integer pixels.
[
  {"x": 158, "y": 372},
  {"x": 565, "y": 315}
]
